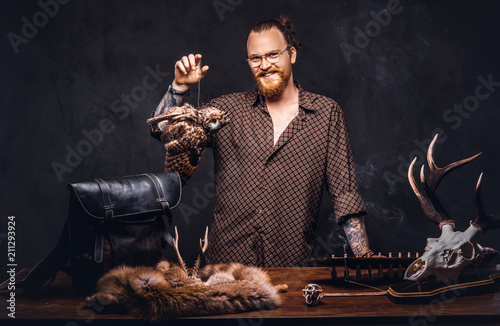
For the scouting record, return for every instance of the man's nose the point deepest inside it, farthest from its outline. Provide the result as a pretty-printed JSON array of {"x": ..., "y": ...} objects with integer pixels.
[{"x": 264, "y": 65}]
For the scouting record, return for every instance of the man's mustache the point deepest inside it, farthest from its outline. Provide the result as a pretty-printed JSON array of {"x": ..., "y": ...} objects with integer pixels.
[{"x": 262, "y": 73}]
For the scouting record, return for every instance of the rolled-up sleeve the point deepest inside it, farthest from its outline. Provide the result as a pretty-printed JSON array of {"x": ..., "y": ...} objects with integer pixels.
[{"x": 342, "y": 184}]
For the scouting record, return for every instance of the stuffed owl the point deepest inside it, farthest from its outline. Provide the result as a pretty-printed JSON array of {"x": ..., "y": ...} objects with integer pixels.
[{"x": 185, "y": 132}]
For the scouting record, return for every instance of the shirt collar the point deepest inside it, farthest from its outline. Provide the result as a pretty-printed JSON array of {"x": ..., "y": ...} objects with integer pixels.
[{"x": 306, "y": 99}]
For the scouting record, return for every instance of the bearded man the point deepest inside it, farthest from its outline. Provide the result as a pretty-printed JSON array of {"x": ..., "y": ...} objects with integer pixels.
[{"x": 271, "y": 161}]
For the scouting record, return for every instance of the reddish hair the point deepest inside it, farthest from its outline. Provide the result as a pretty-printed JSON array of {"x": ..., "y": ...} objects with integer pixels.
[{"x": 283, "y": 24}]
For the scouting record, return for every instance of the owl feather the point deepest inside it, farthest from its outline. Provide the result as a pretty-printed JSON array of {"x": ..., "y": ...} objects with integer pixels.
[{"x": 185, "y": 132}]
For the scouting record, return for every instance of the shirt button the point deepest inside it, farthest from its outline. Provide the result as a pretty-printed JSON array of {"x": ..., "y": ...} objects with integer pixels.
[{"x": 260, "y": 211}]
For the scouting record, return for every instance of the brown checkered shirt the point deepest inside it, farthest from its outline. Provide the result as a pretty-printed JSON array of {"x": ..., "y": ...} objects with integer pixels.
[{"x": 268, "y": 196}]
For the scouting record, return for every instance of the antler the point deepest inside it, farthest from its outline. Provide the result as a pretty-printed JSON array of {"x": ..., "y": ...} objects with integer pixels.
[
  {"x": 482, "y": 221},
  {"x": 203, "y": 249},
  {"x": 182, "y": 264},
  {"x": 438, "y": 173},
  {"x": 430, "y": 204}
]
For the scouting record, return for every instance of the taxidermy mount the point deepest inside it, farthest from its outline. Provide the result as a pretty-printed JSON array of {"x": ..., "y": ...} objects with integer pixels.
[{"x": 185, "y": 132}]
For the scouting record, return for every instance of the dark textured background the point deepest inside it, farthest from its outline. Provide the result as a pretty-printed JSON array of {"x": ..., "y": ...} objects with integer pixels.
[{"x": 395, "y": 93}]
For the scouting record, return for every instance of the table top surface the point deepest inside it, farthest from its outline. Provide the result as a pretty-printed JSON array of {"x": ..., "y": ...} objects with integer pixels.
[{"x": 58, "y": 302}]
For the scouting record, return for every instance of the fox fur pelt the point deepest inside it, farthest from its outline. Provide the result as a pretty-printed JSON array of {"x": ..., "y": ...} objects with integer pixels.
[{"x": 167, "y": 292}]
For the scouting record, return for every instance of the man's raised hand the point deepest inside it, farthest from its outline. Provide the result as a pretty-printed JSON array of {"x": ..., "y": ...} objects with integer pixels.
[{"x": 188, "y": 72}]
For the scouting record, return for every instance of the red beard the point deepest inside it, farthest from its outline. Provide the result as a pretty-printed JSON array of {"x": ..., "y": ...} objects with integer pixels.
[{"x": 273, "y": 88}]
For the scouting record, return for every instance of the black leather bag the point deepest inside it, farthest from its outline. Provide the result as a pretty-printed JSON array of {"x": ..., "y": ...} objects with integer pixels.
[{"x": 110, "y": 222}]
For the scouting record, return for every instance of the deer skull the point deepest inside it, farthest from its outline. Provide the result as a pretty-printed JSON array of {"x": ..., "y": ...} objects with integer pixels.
[{"x": 445, "y": 257}]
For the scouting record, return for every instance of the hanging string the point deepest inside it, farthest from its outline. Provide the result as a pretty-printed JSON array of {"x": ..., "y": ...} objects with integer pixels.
[{"x": 199, "y": 87}]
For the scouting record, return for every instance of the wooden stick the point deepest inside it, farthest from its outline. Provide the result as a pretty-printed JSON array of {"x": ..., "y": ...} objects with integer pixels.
[{"x": 353, "y": 294}]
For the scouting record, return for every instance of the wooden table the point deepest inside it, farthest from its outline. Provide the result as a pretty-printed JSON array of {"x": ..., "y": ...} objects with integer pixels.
[{"x": 58, "y": 305}]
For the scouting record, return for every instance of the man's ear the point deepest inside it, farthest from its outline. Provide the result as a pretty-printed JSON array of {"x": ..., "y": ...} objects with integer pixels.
[{"x": 293, "y": 54}]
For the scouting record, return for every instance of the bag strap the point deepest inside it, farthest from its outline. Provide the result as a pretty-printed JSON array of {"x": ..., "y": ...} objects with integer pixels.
[
  {"x": 163, "y": 229},
  {"x": 165, "y": 208},
  {"x": 108, "y": 217},
  {"x": 45, "y": 272}
]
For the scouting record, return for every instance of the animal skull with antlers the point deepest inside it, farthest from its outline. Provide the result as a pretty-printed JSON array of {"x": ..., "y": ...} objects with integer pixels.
[{"x": 445, "y": 257}]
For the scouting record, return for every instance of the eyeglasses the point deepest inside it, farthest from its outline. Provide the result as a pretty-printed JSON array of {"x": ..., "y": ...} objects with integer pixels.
[{"x": 271, "y": 57}]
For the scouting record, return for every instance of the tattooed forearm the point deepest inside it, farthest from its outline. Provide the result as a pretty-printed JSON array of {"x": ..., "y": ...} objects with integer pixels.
[
  {"x": 168, "y": 101},
  {"x": 354, "y": 229}
]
